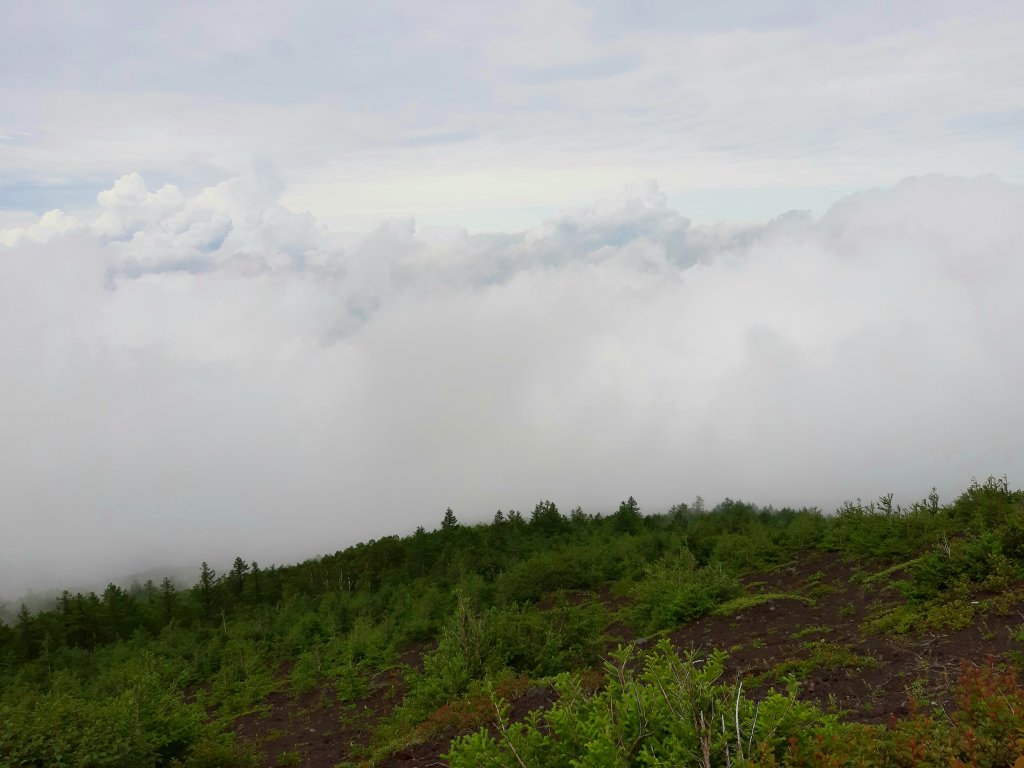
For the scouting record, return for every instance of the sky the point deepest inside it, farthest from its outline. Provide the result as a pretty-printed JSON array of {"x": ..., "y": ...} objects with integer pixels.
[{"x": 277, "y": 278}]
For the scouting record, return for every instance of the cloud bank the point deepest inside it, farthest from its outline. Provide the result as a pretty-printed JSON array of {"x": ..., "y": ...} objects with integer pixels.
[
  {"x": 479, "y": 119},
  {"x": 194, "y": 377}
]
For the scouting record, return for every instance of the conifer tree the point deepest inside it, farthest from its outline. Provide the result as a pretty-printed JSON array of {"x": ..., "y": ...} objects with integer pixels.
[
  {"x": 627, "y": 519},
  {"x": 168, "y": 599},
  {"x": 239, "y": 570},
  {"x": 450, "y": 522},
  {"x": 204, "y": 588},
  {"x": 27, "y": 645},
  {"x": 254, "y": 582}
]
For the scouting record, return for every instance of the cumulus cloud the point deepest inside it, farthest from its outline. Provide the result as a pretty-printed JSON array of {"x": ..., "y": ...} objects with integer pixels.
[
  {"x": 194, "y": 377},
  {"x": 49, "y": 225}
]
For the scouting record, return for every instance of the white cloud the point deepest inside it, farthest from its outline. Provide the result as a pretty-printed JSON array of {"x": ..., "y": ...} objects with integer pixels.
[
  {"x": 129, "y": 207},
  {"x": 48, "y": 226},
  {"x": 192, "y": 377},
  {"x": 391, "y": 109}
]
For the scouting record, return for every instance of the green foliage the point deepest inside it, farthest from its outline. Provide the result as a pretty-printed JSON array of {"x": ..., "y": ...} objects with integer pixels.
[
  {"x": 755, "y": 547},
  {"x": 818, "y": 629},
  {"x": 541, "y": 643},
  {"x": 548, "y": 521},
  {"x": 988, "y": 505},
  {"x": 973, "y": 560},
  {"x": 953, "y": 615},
  {"x": 450, "y": 522},
  {"x": 885, "y": 576},
  {"x": 475, "y": 644},
  {"x": 894, "y": 621},
  {"x": 675, "y": 590},
  {"x": 676, "y": 711},
  {"x": 218, "y": 751},
  {"x": 746, "y": 602},
  {"x": 243, "y": 678},
  {"x": 821, "y": 654},
  {"x": 569, "y": 567},
  {"x": 668, "y": 714},
  {"x": 805, "y": 530},
  {"x": 133, "y": 717},
  {"x": 627, "y": 518},
  {"x": 99, "y": 679}
]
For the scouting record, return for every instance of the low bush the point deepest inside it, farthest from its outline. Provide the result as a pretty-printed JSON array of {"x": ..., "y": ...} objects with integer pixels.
[{"x": 674, "y": 590}]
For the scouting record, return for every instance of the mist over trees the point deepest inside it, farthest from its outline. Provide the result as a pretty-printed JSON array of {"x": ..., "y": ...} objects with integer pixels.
[
  {"x": 481, "y": 601},
  {"x": 645, "y": 354}
]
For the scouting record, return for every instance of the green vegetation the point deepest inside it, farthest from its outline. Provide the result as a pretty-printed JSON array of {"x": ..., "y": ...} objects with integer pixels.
[
  {"x": 821, "y": 654},
  {"x": 667, "y": 714},
  {"x": 464, "y": 620},
  {"x": 746, "y": 602},
  {"x": 677, "y": 711}
]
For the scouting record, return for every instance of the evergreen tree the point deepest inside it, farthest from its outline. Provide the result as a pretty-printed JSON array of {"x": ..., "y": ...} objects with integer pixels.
[
  {"x": 547, "y": 520},
  {"x": 450, "y": 522},
  {"x": 168, "y": 599},
  {"x": 236, "y": 578},
  {"x": 119, "y": 614},
  {"x": 204, "y": 589},
  {"x": 64, "y": 605},
  {"x": 627, "y": 519},
  {"x": 27, "y": 641},
  {"x": 254, "y": 582}
]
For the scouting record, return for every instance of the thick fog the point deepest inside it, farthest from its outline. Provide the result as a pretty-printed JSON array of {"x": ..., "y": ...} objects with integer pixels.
[{"x": 194, "y": 377}]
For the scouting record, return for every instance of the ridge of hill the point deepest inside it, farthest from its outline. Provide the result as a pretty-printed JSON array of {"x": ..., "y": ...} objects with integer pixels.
[{"x": 880, "y": 635}]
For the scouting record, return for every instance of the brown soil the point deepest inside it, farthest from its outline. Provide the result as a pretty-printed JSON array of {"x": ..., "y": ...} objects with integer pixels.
[
  {"x": 869, "y": 677},
  {"x": 430, "y": 753},
  {"x": 898, "y": 666},
  {"x": 316, "y": 728}
]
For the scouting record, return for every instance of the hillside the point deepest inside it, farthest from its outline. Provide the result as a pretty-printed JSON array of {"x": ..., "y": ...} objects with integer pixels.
[{"x": 732, "y": 636}]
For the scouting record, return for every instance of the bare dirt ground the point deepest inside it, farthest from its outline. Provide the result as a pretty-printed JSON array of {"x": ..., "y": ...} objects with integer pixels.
[
  {"x": 890, "y": 670},
  {"x": 821, "y": 640},
  {"x": 315, "y": 728}
]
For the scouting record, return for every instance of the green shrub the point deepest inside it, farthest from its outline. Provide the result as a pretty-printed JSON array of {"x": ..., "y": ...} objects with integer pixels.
[
  {"x": 569, "y": 568},
  {"x": 897, "y": 620},
  {"x": 145, "y": 723},
  {"x": 971, "y": 561},
  {"x": 753, "y": 548},
  {"x": 219, "y": 751},
  {"x": 671, "y": 713},
  {"x": 452, "y": 666},
  {"x": 540, "y": 643},
  {"x": 674, "y": 590},
  {"x": 746, "y": 602},
  {"x": 677, "y": 712}
]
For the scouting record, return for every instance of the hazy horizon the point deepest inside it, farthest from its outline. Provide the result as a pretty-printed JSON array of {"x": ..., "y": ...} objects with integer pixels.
[
  {"x": 278, "y": 279},
  {"x": 275, "y": 391}
]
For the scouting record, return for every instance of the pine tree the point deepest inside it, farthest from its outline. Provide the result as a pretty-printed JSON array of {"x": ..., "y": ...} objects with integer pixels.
[
  {"x": 627, "y": 519},
  {"x": 254, "y": 582},
  {"x": 118, "y": 612},
  {"x": 27, "y": 641},
  {"x": 168, "y": 599},
  {"x": 450, "y": 522},
  {"x": 237, "y": 577},
  {"x": 204, "y": 588},
  {"x": 546, "y": 519}
]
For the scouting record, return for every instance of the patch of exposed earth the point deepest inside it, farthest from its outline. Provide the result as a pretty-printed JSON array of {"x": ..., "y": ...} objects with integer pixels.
[{"x": 814, "y": 630}]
